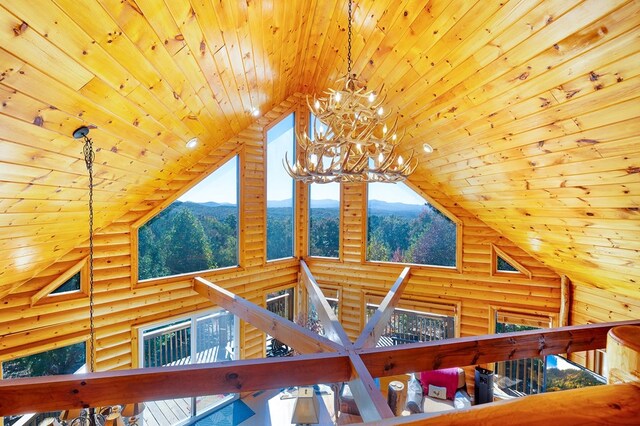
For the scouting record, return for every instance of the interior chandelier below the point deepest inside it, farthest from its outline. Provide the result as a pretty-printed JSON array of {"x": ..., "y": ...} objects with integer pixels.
[{"x": 349, "y": 141}]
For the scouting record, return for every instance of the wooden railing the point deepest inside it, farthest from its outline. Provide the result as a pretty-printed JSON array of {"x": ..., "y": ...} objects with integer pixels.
[
  {"x": 76, "y": 391},
  {"x": 167, "y": 345},
  {"x": 406, "y": 326}
]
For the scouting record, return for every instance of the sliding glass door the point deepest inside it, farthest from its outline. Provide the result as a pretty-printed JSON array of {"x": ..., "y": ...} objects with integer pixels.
[{"x": 201, "y": 338}]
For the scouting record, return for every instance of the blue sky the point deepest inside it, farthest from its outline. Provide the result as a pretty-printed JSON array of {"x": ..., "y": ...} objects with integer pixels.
[{"x": 221, "y": 186}]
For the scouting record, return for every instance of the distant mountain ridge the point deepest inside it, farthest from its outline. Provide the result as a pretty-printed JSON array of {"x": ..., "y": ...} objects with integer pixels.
[{"x": 375, "y": 206}]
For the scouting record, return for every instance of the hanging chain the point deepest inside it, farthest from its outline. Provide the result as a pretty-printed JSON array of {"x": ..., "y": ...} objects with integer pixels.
[
  {"x": 349, "y": 42},
  {"x": 88, "y": 158}
]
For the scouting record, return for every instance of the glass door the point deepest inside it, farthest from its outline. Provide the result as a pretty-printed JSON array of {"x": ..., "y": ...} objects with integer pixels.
[
  {"x": 197, "y": 339},
  {"x": 215, "y": 342}
]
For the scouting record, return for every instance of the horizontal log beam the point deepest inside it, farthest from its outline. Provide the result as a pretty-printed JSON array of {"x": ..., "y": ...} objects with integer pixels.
[
  {"x": 19, "y": 396},
  {"x": 484, "y": 349},
  {"x": 597, "y": 405},
  {"x": 51, "y": 393}
]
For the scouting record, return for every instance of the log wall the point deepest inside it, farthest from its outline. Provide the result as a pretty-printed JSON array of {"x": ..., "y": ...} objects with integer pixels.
[
  {"x": 593, "y": 305},
  {"x": 122, "y": 303}
]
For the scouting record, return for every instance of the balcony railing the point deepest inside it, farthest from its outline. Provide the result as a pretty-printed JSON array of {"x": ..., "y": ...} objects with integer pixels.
[{"x": 407, "y": 326}]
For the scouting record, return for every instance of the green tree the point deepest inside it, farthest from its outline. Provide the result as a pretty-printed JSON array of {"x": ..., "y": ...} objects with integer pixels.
[
  {"x": 64, "y": 360},
  {"x": 436, "y": 245},
  {"x": 378, "y": 250},
  {"x": 279, "y": 237},
  {"x": 188, "y": 249},
  {"x": 151, "y": 259},
  {"x": 324, "y": 236}
]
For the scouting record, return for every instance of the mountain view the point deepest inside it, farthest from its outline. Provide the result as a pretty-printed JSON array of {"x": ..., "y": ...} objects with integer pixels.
[{"x": 189, "y": 236}]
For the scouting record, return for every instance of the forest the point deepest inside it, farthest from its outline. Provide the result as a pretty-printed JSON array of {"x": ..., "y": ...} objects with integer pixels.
[{"x": 188, "y": 237}]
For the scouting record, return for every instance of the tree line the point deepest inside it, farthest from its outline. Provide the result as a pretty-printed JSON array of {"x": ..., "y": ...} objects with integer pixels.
[{"x": 189, "y": 237}]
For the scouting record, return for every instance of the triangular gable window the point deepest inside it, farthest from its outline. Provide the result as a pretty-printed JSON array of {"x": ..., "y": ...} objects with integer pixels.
[
  {"x": 504, "y": 264},
  {"x": 71, "y": 284}
]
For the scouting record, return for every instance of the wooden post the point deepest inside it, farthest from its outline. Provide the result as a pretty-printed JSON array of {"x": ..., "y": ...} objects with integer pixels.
[
  {"x": 396, "y": 397},
  {"x": 623, "y": 353}
]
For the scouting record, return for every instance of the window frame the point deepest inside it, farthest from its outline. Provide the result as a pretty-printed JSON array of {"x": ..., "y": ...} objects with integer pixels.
[
  {"x": 135, "y": 227},
  {"x": 521, "y": 270},
  {"x": 436, "y": 205},
  {"x": 137, "y": 347},
  {"x": 45, "y": 296},
  {"x": 295, "y": 188}
]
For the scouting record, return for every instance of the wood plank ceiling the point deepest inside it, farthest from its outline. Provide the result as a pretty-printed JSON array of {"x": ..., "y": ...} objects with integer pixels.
[{"x": 531, "y": 106}]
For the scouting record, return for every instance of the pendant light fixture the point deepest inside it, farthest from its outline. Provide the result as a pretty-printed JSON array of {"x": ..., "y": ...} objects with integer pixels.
[
  {"x": 104, "y": 416},
  {"x": 350, "y": 140}
]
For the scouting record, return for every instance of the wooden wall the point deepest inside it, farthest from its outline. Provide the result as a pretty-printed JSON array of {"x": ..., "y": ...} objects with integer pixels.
[
  {"x": 120, "y": 305},
  {"x": 594, "y": 305},
  {"x": 473, "y": 286}
]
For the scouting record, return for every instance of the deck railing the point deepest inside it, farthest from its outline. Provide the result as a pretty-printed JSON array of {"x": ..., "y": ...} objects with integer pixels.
[
  {"x": 280, "y": 305},
  {"x": 167, "y": 345},
  {"x": 407, "y": 326}
]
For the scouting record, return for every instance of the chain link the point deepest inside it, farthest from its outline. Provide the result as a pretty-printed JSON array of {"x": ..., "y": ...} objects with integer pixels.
[
  {"x": 349, "y": 42},
  {"x": 88, "y": 158}
]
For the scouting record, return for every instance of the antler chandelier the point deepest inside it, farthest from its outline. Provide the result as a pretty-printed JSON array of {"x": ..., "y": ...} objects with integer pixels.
[{"x": 350, "y": 141}]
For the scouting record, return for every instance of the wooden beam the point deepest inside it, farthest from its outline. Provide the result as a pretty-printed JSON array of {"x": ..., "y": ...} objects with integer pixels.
[
  {"x": 49, "y": 393},
  {"x": 333, "y": 330},
  {"x": 299, "y": 338},
  {"x": 609, "y": 404},
  {"x": 41, "y": 394},
  {"x": 376, "y": 324},
  {"x": 484, "y": 349},
  {"x": 368, "y": 398}
]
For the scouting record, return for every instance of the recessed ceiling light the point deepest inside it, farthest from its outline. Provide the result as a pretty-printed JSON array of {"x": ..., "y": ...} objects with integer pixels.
[
  {"x": 192, "y": 143},
  {"x": 427, "y": 148}
]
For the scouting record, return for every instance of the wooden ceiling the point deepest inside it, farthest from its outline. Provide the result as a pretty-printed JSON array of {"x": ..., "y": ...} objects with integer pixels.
[{"x": 531, "y": 106}]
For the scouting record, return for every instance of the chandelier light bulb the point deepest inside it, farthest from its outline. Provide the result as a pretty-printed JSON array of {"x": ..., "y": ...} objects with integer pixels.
[
  {"x": 372, "y": 97},
  {"x": 317, "y": 105},
  {"x": 380, "y": 158},
  {"x": 255, "y": 112},
  {"x": 380, "y": 111},
  {"x": 338, "y": 97},
  {"x": 400, "y": 160},
  {"x": 394, "y": 137}
]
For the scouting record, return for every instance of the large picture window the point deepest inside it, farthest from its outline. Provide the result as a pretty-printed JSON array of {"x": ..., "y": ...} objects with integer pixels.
[
  {"x": 280, "y": 190},
  {"x": 197, "y": 232},
  {"x": 64, "y": 360},
  {"x": 403, "y": 227}
]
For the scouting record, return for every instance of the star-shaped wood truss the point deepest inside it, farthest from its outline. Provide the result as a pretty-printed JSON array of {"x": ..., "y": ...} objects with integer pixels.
[
  {"x": 331, "y": 358},
  {"x": 366, "y": 393}
]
